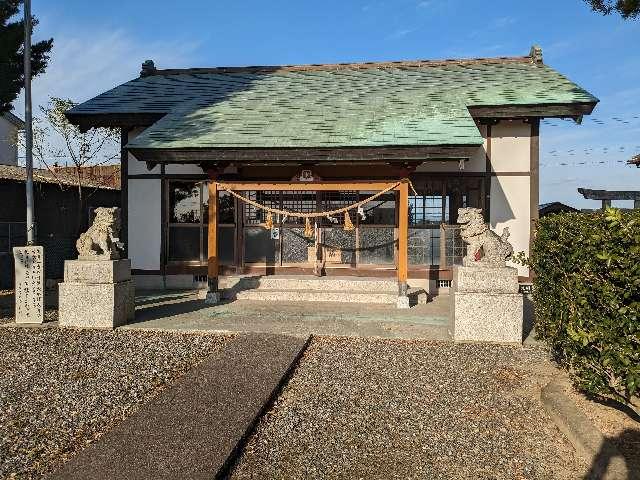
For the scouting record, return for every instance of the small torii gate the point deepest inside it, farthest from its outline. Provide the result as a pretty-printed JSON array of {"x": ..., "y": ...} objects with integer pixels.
[{"x": 607, "y": 195}]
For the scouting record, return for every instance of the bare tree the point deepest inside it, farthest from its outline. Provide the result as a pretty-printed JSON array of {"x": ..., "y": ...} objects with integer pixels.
[{"x": 56, "y": 138}]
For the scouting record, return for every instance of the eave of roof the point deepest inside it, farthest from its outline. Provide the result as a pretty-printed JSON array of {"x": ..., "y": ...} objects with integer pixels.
[
  {"x": 384, "y": 154},
  {"x": 19, "y": 174}
]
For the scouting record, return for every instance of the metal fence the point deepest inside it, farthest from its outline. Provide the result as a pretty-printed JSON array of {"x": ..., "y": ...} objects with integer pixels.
[
  {"x": 452, "y": 245},
  {"x": 12, "y": 234},
  {"x": 57, "y": 249}
]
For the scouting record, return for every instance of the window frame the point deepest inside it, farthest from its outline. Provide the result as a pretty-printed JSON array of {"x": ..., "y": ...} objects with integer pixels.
[{"x": 202, "y": 225}]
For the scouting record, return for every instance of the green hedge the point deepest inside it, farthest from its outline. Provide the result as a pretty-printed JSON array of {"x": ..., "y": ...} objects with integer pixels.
[{"x": 587, "y": 297}]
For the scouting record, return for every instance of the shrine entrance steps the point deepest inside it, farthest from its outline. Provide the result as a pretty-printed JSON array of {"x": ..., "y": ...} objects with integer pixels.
[{"x": 308, "y": 288}]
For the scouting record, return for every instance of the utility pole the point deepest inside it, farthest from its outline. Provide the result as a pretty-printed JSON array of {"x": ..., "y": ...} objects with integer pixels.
[{"x": 28, "y": 122}]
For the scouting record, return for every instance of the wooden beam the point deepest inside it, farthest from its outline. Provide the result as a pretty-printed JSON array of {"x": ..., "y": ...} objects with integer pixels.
[
  {"x": 312, "y": 186},
  {"x": 212, "y": 239},
  {"x": 550, "y": 110},
  {"x": 307, "y": 155},
  {"x": 124, "y": 190},
  {"x": 609, "y": 194},
  {"x": 403, "y": 237},
  {"x": 534, "y": 181}
]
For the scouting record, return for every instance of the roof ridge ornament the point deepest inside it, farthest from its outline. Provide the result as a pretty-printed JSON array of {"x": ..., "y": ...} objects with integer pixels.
[
  {"x": 148, "y": 68},
  {"x": 536, "y": 54}
]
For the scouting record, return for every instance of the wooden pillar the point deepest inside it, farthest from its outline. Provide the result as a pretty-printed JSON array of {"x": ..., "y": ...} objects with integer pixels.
[
  {"x": 606, "y": 204},
  {"x": 403, "y": 237},
  {"x": 213, "y": 295}
]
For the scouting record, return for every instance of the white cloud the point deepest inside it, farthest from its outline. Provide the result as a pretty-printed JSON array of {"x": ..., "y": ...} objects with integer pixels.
[
  {"x": 401, "y": 33},
  {"x": 84, "y": 66}
]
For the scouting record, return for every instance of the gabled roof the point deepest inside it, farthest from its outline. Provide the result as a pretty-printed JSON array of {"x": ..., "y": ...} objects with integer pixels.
[
  {"x": 554, "y": 207},
  {"x": 13, "y": 119},
  {"x": 373, "y": 105}
]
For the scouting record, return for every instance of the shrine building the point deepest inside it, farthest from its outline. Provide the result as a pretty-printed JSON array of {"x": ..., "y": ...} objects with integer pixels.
[{"x": 375, "y": 158}]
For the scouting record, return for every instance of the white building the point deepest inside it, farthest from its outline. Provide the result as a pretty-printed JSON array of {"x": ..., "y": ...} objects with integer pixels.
[{"x": 10, "y": 125}]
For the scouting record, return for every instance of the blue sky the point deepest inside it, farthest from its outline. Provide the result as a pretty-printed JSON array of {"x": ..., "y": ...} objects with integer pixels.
[{"x": 100, "y": 44}]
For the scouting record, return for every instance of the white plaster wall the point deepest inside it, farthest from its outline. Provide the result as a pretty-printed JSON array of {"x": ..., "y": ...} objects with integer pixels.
[
  {"x": 510, "y": 208},
  {"x": 145, "y": 223},
  {"x": 477, "y": 163},
  {"x": 134, "y": 166},
  {"x": 8, "y": 151},
  {"x": 511, "y": 146}
]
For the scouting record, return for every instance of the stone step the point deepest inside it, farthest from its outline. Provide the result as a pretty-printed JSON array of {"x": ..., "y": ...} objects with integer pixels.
[
  {"x": 311, "y": 283},
  {"x": 334, "y": 296}
]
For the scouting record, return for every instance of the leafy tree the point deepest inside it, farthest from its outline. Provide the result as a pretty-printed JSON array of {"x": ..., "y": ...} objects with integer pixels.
[
  {"x": 587, "y": 298},
  {"x": 626, "y": 8},
  {"x": 12, "y": 53}
]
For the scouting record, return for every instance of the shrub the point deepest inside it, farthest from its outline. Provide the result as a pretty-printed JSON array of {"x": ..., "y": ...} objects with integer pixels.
[{"x": 587, "y": 297}]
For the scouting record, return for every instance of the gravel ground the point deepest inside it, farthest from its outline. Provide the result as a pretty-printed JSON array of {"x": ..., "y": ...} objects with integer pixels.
[
  {"x": 373, "y": 408},
  {"x": 60, "y": 389},
  {"x": 8, "y": 315}
]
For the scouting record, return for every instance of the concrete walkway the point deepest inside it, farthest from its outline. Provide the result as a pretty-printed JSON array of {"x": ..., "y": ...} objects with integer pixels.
[
  {"x": 196, "y": 428},
  {"x": 180, "y": 310}
]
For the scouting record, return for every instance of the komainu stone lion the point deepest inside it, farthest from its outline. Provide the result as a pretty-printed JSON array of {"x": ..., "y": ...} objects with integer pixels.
[
  {"x": 485, "y": 248},
  {"x": 101, "y": 241}
]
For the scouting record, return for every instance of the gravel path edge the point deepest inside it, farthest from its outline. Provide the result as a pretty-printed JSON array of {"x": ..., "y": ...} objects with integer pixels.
[{"x": 606, "y": 461}]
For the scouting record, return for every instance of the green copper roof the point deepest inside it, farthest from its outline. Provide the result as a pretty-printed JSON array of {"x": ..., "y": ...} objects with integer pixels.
[{"x": 359, "y": 105}]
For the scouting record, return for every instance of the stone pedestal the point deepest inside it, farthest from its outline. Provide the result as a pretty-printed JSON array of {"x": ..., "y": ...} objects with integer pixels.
[
  {"x": 213, "y": 298},
  {"x": 96, "y": 293},
  {"x": 486, "y": 305},
  {"x": 403, "y": 302}
]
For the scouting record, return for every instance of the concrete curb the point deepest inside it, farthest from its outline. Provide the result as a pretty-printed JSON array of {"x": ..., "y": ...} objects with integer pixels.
[{"x": 606, "y": 461}]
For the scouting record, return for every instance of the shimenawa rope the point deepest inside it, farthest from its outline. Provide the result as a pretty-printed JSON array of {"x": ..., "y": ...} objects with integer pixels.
[{"x": 289, "y": 213}]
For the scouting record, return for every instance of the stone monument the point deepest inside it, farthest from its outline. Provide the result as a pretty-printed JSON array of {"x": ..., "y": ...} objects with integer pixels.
[
  {"x": 98, "y": 290},
  {"x": 29, "y": 291},
  {"x": 485, "y": 301}
]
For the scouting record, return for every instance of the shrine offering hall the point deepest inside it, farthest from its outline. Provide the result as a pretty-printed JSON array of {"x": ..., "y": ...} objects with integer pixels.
[{"x": 336, "y": 170}]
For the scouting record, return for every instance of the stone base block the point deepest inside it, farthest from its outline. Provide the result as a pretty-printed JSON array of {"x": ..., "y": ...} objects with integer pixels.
[
  {"x": 95, "y": 305},
  {"x": 213, "y": 298},
  {"x": 97, "y": 271},
  {"x": 131, "y": 301},
  {"x": 403, "y": 302},
  {"x": 489, "y": 279},
  {"x": 487, "y": 317}
]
